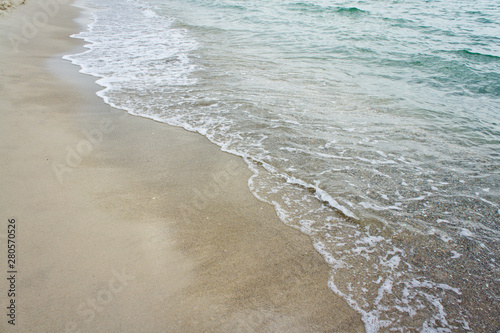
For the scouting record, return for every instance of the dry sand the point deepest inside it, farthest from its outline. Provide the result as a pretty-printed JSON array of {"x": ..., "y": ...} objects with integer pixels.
[{"x": 128, "y": 225}]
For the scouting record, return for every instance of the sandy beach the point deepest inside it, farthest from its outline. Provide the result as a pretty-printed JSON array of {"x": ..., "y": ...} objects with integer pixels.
[{"x": 124, "y": 224}]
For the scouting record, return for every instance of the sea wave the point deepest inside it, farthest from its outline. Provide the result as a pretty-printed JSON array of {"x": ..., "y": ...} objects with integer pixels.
[{"x": 396, "y": 187}]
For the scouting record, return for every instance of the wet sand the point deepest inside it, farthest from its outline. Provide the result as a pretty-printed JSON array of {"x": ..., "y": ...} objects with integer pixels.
[{"x": 124, "y": 224}]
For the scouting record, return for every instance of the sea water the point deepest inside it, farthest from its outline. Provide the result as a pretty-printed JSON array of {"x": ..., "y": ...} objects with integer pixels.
[{"x": 372, "y": 126}]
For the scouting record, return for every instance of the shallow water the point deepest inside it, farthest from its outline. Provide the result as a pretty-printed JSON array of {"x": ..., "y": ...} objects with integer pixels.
[{"x": 372, "y": 126}]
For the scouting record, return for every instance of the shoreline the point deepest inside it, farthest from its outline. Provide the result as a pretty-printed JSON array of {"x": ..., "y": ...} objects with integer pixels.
[{"x": 127, "y": 224}]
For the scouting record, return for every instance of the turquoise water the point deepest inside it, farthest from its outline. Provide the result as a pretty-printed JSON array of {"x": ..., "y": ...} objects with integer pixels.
[{"x": 371, "y": 126}]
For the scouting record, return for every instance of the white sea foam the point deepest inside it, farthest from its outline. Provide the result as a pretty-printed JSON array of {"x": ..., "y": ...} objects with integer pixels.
[
  {"x": 365, "y": 192},
  {"x": 465, "y": 233},
  {"x": 149, "y": 13},
  {"x": 377, "y": 207}
]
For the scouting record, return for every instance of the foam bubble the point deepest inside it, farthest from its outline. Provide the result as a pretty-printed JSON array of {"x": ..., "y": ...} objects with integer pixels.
[
  {"x": 149, "y": 13},
  {"x": 465, "y": 233}
]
